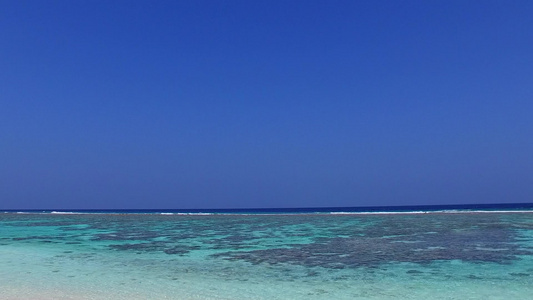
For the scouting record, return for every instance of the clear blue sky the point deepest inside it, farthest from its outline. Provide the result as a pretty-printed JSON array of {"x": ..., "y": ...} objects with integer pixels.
[{"x": 226, "y": 104}]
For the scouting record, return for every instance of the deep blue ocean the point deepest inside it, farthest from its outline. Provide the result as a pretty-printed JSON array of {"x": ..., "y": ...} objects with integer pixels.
[{"x": 304, "y": 210}]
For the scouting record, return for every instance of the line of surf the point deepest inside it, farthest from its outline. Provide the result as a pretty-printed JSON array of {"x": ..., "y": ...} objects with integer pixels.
[{"x": 271, "y": 213}]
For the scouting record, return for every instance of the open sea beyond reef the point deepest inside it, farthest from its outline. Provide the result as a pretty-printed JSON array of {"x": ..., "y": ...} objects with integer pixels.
[{"x": 437, "y": 252}]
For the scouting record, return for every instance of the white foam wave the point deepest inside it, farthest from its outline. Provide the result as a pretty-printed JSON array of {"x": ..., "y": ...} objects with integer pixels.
[
  {"x": 379, "y": 213},
  {"x": 66, "y": 213}
]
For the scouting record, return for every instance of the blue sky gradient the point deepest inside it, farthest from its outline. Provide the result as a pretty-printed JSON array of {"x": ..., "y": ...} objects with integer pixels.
[{"x": 247, "y": 104}]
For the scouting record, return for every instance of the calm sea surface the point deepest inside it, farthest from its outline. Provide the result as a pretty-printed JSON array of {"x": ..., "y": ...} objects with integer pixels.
[{"x": 448, "y": 253}]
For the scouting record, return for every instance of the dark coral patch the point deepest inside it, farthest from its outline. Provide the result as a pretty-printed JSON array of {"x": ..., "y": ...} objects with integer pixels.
[
  {"x": 155, "y": 247},
  {"x": 396, "y": 239}
]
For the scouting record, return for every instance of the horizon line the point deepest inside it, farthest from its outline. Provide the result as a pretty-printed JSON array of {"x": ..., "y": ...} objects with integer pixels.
[{"x": 271, "y": 208}]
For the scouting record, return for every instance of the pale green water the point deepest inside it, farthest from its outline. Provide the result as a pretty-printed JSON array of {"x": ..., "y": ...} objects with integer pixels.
[{"x": 143, "y": 256}]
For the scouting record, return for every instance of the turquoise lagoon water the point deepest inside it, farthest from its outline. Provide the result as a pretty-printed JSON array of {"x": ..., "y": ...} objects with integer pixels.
[{"x": 438, "y": 255}]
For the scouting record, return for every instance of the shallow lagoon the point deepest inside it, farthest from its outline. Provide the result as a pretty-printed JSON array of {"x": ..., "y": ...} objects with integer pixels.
[{"x": 459, "y": 255}]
